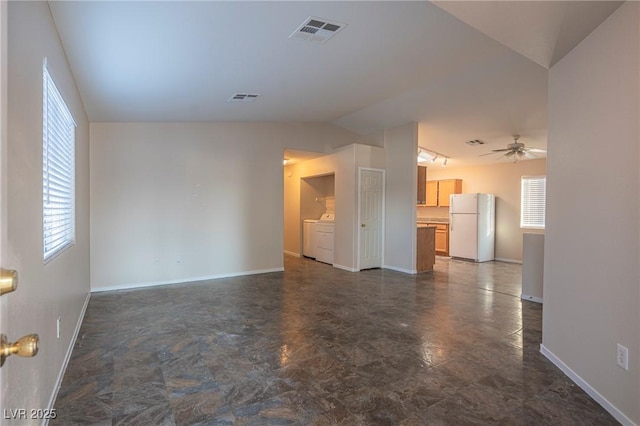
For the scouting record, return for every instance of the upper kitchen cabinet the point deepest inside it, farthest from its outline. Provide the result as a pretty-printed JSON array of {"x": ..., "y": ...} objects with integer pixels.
[
  {"x": 422, "y": 183},
  {"x": 446, "y": 188},
  {"x": 432, "y": 193},
  {"x": 438, "y": 191}
]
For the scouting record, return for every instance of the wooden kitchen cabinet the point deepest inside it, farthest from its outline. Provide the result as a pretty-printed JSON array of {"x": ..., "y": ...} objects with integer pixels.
[
  {"x": 442, "y": 240},
  {"x": 426, "y": 256},
  {"x": 422, "y": 184},
  {"x": 438, "y": 191},
  {"x": 432, "y": 193},
  {"x": 441, "y": 237},
  {"x": 446, "y": 188}
]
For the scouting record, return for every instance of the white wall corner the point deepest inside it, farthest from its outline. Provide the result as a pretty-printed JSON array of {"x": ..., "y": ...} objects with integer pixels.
[
  {"x": 67, "y": 357},
  {"x": 403, "y": 270},
  {"x": 612, "y": 409},
  {"x": 531, "y": 298},
  {"x": 345, "y": 268},
  {"x": 502, "y": 259}
]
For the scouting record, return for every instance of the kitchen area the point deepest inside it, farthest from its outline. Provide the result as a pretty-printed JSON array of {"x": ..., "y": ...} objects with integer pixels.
[
  {"x": 322, "y": 218},
  {"x": 463, "y": 225}
]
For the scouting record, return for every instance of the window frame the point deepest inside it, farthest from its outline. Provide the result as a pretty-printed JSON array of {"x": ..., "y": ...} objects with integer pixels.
[
  {"x": 529, "y": 204},
  {"x": 58, "y": 171}
]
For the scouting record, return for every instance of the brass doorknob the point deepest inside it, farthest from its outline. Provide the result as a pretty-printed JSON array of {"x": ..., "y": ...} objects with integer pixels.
[
  {"x": 26, "y": 346},
  {"x": 8, "y": 280}
]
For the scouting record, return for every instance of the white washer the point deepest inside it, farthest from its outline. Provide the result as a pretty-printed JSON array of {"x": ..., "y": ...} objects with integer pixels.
[{"x": 309, "y": 238}]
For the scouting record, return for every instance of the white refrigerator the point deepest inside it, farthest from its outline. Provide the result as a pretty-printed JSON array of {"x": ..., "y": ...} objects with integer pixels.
[{"x": 472, "y": 226}]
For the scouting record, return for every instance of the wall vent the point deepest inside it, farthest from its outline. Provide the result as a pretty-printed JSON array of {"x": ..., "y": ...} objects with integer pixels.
[
  {"x": 475, "y": 142},
  {"x": 243, "y": 97},
  {"x": 317, "y": 30}
]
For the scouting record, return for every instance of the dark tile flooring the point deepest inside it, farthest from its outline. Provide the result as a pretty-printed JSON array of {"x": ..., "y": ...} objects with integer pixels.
[{"x": 317, "y": 345}]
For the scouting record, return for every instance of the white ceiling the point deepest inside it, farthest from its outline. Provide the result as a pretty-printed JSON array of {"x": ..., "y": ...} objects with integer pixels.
[{"x": 464, "y": 70}]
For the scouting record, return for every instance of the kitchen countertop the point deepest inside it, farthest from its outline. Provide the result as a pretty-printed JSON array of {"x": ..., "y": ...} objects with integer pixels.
[
  {"x": 424, "y": 225},
  {"x": 433, "y": 220}
]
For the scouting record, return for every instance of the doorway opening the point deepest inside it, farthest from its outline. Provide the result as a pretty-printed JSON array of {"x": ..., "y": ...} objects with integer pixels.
[{"x": 309, "y": 193}]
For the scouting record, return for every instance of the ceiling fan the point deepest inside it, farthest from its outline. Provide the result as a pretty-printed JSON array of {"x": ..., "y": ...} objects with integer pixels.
[{"x": 516, "y": 150}]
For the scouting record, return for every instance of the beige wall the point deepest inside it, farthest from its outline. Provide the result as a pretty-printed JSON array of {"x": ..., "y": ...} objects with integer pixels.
[
  {"x": 502, "y": 180},
  {"x": 59, "y": 288},
  {"x": 401, "y": 147},
  {"x": 177, "y": 202},
  {"x": 592, "y": 239},
  {"x": 300, "y": 204}
]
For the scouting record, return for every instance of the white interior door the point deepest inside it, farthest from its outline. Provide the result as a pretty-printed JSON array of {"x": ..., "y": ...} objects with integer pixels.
[
  {"x": 371, "y": 207},
  {"x": 4, "y": 388}
]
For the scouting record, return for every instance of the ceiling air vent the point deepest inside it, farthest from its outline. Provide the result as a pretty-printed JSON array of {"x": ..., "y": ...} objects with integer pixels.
[
  {"x": 244, "y": 97},
  {"x": 317, "y": 29},
  {"x": 475, "y": 142}
]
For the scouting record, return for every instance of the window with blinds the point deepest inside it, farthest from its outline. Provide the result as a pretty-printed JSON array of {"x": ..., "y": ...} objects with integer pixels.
[
  {"x": 58, "y": 170},
  {"x": 532, "y": 205}
]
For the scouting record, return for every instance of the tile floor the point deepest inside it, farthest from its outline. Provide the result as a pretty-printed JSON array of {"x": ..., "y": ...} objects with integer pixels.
[{"x": 317, "y": 345}]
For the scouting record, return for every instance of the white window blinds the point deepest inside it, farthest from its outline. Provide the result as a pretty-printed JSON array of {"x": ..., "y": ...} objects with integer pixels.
[
  {"x": 58, "y": 170},
  {"x": 532, "y": 206}
]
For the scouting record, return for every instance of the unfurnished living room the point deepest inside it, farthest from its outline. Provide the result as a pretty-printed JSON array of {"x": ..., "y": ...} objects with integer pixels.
[{"x": 320, "y": 212}]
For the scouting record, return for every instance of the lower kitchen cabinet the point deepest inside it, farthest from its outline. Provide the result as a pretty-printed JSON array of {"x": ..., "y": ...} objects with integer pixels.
[
  {"x": 442, "y": 241},
  {"x": 442, "y": 238},
  {"x": 426, "y": 256}
]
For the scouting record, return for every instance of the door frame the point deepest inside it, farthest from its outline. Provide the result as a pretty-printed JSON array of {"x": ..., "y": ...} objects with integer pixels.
[
  {"x": 4, "y": 304},
  {"x": 383, "y": 202}
]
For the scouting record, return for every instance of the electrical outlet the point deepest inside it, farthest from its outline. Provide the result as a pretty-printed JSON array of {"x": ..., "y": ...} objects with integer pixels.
[
  {"x": 58, "y": 328},
  {"x": 622, "y": 357}
]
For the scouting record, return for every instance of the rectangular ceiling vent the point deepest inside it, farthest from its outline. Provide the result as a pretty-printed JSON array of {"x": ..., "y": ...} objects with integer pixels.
[
  {"x": 243, "y": 97},
  {"x": 317, "y": 30},
  {"x": 475, "y": 142}
]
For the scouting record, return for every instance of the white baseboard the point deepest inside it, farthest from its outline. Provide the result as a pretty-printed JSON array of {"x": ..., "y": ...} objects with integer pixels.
[
  {"x": 345, "y": 268},
  {"x": 531, "y": 298},
  {"x": 67, "y": 357},
  {"x": 502, "y": 259},
  {"x": 406, "y": 271},
  {"x": 99, "y": 289},
  {"x": 619, "y": 415},
  {"x": 290, "y": 253}
]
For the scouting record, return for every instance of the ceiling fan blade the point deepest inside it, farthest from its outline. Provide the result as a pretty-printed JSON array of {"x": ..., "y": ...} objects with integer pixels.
[
  {"x": 529, "y": 154},
  {"x": 488, "y": 153},
  {"x": 502, "y": 150},
  {"x": 538, "y": 150},
  {"x": 510, "y": 154}
]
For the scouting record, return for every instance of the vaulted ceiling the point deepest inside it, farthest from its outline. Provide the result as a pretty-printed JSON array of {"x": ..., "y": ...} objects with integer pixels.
[{"x": 464, "y": 70}]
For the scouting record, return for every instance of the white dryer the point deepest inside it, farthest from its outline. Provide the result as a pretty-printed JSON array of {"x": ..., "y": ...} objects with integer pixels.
[{"x": 324, "y": 238}]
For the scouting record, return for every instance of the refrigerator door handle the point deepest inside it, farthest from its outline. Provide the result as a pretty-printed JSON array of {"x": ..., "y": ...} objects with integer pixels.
[{"x": 450, "y": 222}]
